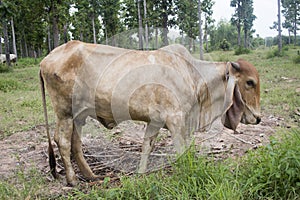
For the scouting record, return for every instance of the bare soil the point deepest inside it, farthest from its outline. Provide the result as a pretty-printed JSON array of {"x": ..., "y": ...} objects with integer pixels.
[{"x": 110, "y": 153}]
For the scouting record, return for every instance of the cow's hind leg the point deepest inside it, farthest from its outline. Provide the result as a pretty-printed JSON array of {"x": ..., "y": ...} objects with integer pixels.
[
  {"x": 78, "y": 154},
  {"x": 63, "y": 137},
  {"x": 178, "y": 132},
  {"x": 148, "y": 144}
]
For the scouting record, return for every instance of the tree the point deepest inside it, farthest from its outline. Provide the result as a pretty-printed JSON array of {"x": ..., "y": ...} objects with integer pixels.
[
  {"x": 223, "y": 30},
  {"x": 6, "y": 13},
  {"x": 146, "y": 25},
  {"x": 291, "y": 12},
  {"x": 243, "y": 18},
  {"x": 236, "y": 19},
  {"x": 279, "y": 27},
  {"x": 188, "y": 19},
  {"x": 200, "y": 31},
  {"x": 110, "y": 12},
  {"x": 85, "y": 21},
  {"x": 206, "y": 7},
  {"x": 140, "y": 25},
  {"x": 248, "y": 19}
]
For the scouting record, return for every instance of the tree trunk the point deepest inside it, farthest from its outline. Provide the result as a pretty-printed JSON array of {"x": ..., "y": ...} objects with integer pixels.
[
  {"x": 245, "y": 38},
  {"x": 200, "y": 30},
  {"x": 49, "y": 39},
  {"x": 13, "y": 37},
  {"x": 0, "y": 43},
  {"x": 94, "y": 30},
  {"x": 21, "y": 49},
  {"x": 6, "y": 43},
  {"x": 66, "y": 33},
  {"x": 156, "y": 38},
  {"x": 140, "y": 26},
  {"x": 239, "y": 32},
  {"x": 55, "y": 20},
  {"x": 55, "y": 32},
  {"x": 26, "y": 47},
  {"x": 146, "y": 25},
  {"x": 279, "y": 28},
  {"x": 295, "y": 29},
  {"x": 205, "y": 35},
  {"x": 165, "y": 24}
]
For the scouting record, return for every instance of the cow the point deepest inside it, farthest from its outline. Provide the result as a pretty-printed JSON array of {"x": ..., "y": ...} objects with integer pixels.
[
  {"x": 13, "y": 58},
  {"x": 164, "y": 88}
]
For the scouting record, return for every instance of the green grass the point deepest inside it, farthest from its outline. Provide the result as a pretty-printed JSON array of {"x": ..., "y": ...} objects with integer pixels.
[
  {"x": 271, "y": 172},
  {"x": 24, "y": 186},
  {"x": 20, "y": 97}
]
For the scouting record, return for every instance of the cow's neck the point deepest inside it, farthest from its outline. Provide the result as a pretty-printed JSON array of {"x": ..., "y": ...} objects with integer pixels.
[{"x": 211, "y": 87}]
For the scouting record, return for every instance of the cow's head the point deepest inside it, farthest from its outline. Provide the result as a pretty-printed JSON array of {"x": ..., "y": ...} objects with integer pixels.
[{"x": 242, "y": 95}]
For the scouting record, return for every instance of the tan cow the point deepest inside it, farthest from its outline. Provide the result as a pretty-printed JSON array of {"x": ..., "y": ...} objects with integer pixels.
[{"x": 165, "y": 88}]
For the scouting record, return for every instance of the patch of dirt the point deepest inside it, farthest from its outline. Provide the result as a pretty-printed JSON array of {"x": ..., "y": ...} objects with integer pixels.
[{"x": 118, "y": 150}]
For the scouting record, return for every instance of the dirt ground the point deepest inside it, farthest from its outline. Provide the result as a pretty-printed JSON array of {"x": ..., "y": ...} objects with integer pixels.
[{"x": 111, "y": 152}]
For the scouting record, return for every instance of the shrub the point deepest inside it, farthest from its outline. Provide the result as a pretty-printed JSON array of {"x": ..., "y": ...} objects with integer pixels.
[
  {"x": 297, "y": 59},
  {"x": 241, "y": 50},
  {"x": 4, "y": 68},
  {"x": 276, "y": 53},
  {"x": 225, "y": 45}
]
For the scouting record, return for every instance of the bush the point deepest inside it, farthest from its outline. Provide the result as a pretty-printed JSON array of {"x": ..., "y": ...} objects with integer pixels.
[
  {"x": 225, "y": 45},
  {"x": 275, "y": 53},
  {"x": 241, "y": 50},
  {"x": 4, "y": 68},
  {"x": 297, "y": 59}
]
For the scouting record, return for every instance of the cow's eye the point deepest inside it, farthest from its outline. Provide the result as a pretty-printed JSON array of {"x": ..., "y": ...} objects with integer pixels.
[{"x": 250, "y": 83}]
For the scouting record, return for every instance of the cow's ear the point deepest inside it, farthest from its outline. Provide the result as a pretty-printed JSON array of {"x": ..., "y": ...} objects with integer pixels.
[
  {"x": 233, "y": 105},
  {"x": 236, "y": 66}
]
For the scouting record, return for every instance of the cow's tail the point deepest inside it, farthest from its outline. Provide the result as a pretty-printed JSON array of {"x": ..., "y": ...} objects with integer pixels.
[{"x": 52, "y": 160}]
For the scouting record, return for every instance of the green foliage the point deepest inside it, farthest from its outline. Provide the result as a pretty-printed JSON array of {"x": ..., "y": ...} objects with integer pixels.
[
  {"x": 27, "y": 186},
  {"x": 224, "y": 45},
  {"x": 243, "y": 18},
  {"x": 9, "y": 85},
  {"x": 291, "y": 13},
  {"x": 224, "y": 30},
  {"x": 241, "y": 50},
  {"x": 274, "y": 171},
  {"x": 4, "y": 68},
  {"x": 271, "y": 172},
  {"x": 274, "y": 53},
  {"x": 297, "y": 59},
  {"x": 20, "y": 97}
]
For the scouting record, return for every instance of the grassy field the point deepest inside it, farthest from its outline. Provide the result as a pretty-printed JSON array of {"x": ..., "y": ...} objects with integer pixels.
[{"x": 271, "y": 172}]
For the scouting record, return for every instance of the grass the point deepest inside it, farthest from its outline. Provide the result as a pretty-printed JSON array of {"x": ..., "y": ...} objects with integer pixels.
[
  {"x": 20, "y": 98},
  {"x": 271, "y": 172}
]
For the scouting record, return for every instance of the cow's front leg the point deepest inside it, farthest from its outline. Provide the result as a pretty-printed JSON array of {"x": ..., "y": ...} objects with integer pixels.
[
  {"x": 63, "y": 137},
  {"x": 148, "y": 144},
  {"x": 78, "y": 154}
]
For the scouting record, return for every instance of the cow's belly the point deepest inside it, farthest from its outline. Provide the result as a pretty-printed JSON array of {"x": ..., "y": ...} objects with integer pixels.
[{"x": 147, "y": 103}]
